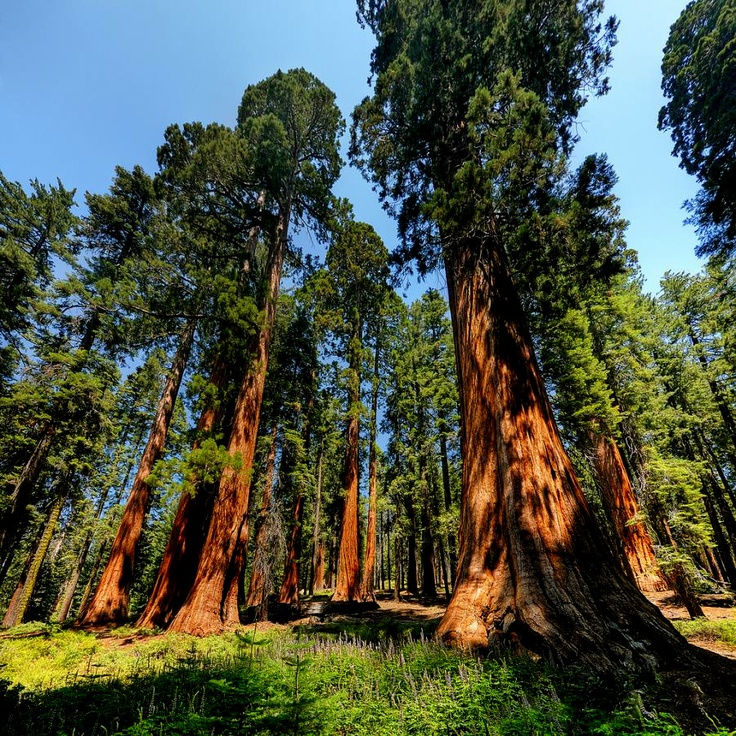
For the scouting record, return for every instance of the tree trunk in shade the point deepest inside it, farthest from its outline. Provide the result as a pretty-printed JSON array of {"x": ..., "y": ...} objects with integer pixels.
[
  {"x": 412, "y": 584},
  {"x": 180, "y": 558},
  {"x": 289, "y": 594},
  {"x": 533, "y": 567},
  {"x": 212, "y": 603},
  {"x": 26, "y": 585},
  {"x": 622, "y": 508},
  {"x": 20, "y": 491},
  {"x": 318, "y": 548},
  {"x": 261, "y": 554},
  {"x": 112, "y": 597}
]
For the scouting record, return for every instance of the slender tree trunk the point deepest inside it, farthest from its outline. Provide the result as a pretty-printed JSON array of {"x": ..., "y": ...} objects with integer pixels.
[
  {"x": 725, "y": 548},
  {"x": 261, "y": 568},
  {"x": 111, "y": 600},
  {"x": 412, "y": 584},
  {"x": 723, "y": 406},
  {"x": 289, "y": 593},
  {"x": 622, "y": 507},
  {"x": 533, "y": 567},
  {"x": 318, "y": 553},
  {"x": 212, "y": 603},
  {"x": 179, "y": 562},
  {"x": 429, "y": 581},
  {"x": 19, "y": 492},
  {"x": 451, "y": 542},
  {"x": 397, "y": 558},
  {"x": 367, "y": 592},
  {"x": 27, "y": 584}
]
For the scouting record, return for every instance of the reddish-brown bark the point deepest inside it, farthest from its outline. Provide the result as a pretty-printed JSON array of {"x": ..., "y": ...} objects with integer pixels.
[
  {"x": 622, "y": 507},
  {"x": 179, "y": 562},
  {"x": 289, "y": 593},
  {"x": 369, "y": 561},
  {"x": 212, "y": 603},
  {"x": 347, "y": 587},
  {"x": 111, "y": 599},
  {"x": 257, "y": 589},
  {"x": 533, "y": 567}
]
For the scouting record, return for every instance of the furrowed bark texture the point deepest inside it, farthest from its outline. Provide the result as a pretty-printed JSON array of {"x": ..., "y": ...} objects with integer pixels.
[
  {"x": 179, "y": 563},
  {"x": 112, "y": 597},
  {"x": 347, "y": 587},
  {"x": 533, "y": 568},
  {"x": 212, "y": 603},
  {"x": 623, "y": 509}
]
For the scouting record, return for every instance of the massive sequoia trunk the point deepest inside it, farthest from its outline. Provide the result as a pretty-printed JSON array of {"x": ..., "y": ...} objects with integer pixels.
[
  {"x": 179, "y": 562},
  {"x": 622, "y": 507},
  {"x": 112, "y": 597},
  {"x": 347, "y": 587},
  {"x": 212, "y": 603},
  {"x": 533, "y": 568}
]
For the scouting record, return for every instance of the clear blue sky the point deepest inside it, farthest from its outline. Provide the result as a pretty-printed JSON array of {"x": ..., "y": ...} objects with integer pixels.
[{"x": 88, "y": 84}]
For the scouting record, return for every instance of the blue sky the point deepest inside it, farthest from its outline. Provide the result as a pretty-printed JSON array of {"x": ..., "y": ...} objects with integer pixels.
[{"x": 88, "y": 84}]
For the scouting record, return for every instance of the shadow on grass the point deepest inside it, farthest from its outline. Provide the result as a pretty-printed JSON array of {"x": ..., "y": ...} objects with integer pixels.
[{"x": 188, "y": 699}]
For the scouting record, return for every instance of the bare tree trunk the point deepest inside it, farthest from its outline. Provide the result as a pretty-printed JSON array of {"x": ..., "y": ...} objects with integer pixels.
[
  {"x": 622, "y": 507},
  {"x": 429, "y": 581},
  {"x": 26, "y": 585},
  {"x": 318, "y": 554},
  {"x": 347, "y": 587},
  {"x": 19, "y": 492},
  {"x": 533, "y": 567},
  {"x": 367, "y": 592},
  {"x": 397, "y": 557},
  {"x": 447, "y": 493},
  {"x": 261, "y": 567},
  {"x": 412, "y": 584},
  {"x": 111, "y": 600},
  {"x": 179, "y": 562},
  {"x": 289, "y": 593},
  {"x": 212, "y": 603}
]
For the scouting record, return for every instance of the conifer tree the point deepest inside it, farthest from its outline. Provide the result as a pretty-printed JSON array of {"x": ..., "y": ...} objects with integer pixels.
[
  {"x": 465, "y": 138},
  {"x": 293, "y": 124}
]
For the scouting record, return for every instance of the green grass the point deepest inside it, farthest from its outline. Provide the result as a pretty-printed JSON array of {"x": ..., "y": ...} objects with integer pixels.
[
  {"x": 389, "y": 679},
  {"x": 714, "y": 630}
]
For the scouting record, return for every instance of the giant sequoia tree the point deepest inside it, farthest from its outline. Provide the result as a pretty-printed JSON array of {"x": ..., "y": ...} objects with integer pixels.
[
  {"x": 293, "y": 124},
  {"x": 465, "y": 137}
]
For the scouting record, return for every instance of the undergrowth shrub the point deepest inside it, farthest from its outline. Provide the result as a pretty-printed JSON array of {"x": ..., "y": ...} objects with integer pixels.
[{"x": 302, "y": 682}]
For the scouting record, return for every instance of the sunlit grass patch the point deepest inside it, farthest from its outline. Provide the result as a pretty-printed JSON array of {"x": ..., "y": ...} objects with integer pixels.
[{"x": 723, "y": 630}]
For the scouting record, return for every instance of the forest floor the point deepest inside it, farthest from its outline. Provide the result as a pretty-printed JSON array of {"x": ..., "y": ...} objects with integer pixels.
[{"x": 368, "y": 672}]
